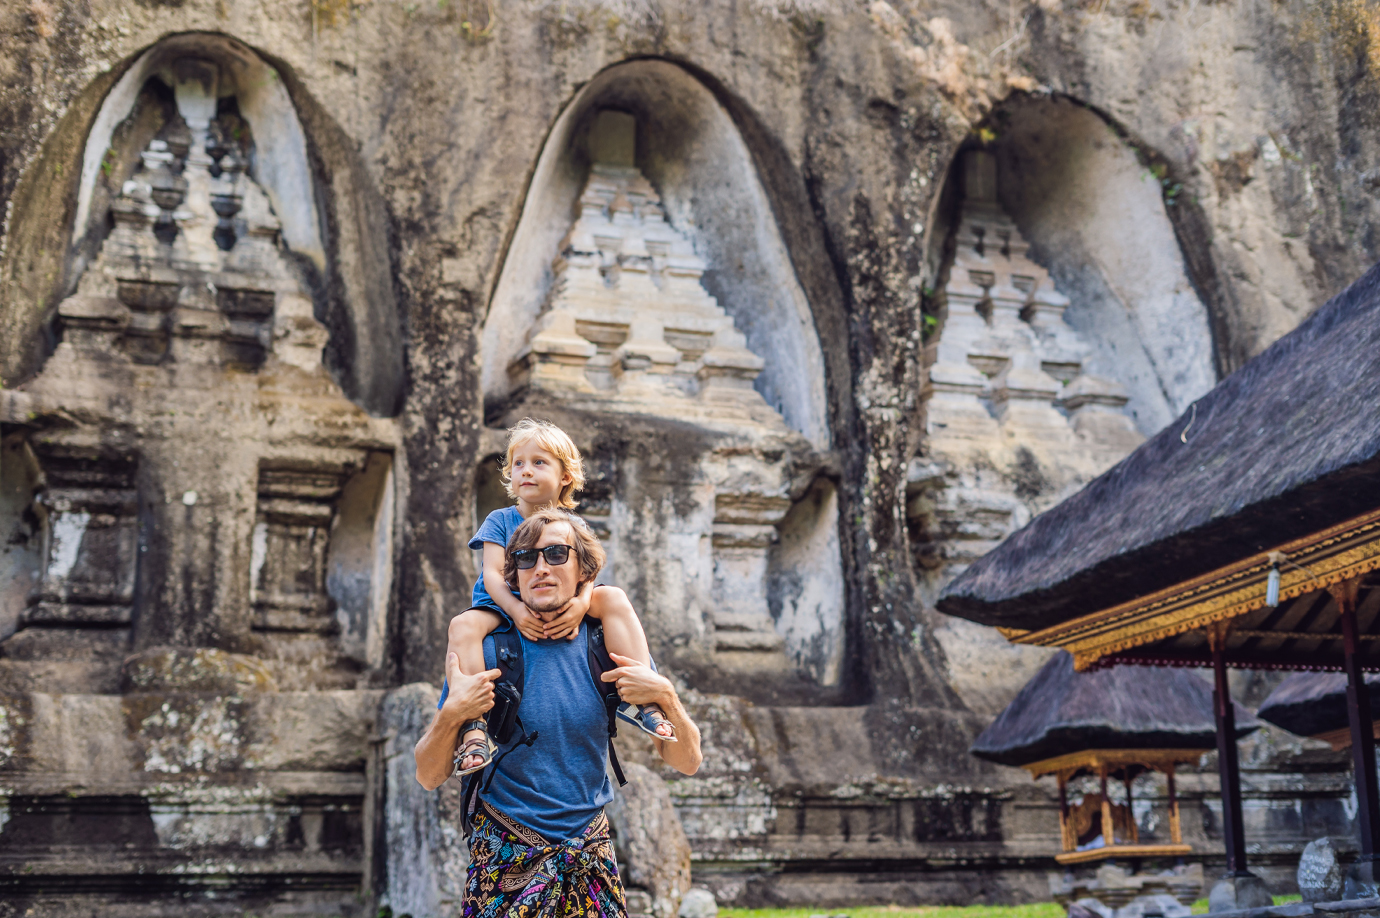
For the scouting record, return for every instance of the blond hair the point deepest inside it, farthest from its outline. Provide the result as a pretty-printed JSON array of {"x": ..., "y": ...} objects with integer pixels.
[{"x": 556, "y": 442}]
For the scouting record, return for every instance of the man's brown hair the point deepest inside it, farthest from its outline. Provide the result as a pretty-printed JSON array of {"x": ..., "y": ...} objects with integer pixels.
[{"x": 589, "y": 554}]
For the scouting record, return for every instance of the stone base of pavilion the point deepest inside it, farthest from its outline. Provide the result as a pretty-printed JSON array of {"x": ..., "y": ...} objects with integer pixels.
[{"x": 1112, "y": 891}]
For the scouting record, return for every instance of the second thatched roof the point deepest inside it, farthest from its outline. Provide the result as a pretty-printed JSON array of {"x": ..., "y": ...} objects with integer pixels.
[
  {"x": 1124, "y": 707},
  {"x": 1312, "y": 703},
  {"x": 1284, "y": 447}
]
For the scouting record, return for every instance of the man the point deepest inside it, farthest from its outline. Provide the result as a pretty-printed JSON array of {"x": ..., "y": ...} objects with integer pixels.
[{"x": 540, "y": 843}]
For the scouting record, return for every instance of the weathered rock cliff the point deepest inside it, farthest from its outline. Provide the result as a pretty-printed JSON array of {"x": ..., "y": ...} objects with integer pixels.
[{"x": 265, "y": 468}]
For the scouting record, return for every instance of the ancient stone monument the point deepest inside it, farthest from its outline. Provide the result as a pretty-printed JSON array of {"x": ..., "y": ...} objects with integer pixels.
[
  {"x": 833, "y": 298},
  {"x": 202, "y": 524},
  {"x": 629, "y": 328}
]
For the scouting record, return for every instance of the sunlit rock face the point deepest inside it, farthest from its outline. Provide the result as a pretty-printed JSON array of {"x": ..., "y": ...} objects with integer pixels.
[
  {"x": 275, "y": 277},
  {"x": 717, "y": 515},
  {"x": 196, "y": 619}
]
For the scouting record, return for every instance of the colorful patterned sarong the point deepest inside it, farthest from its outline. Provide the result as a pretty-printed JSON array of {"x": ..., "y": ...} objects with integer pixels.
[{"x": 515, "y": 873}]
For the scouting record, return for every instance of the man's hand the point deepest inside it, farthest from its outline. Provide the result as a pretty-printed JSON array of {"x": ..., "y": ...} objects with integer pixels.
[
  {"x": 639, "y": 684},
  {"x": 567, "y": 623},
  {"x": 468, "y": 696},
  {"x": 529, "y": 624}
]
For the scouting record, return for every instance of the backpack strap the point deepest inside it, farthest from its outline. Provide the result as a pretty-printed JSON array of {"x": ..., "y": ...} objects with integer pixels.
[
  {"x": 599, "y": 663},
  {"x": 508, "y": 654},
  {"x": 512, "y": 670}
]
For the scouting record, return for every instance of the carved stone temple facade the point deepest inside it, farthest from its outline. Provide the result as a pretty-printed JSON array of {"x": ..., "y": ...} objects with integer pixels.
[
  {"x": 201, "y": 532},
  {"x": 629, "y": 329},
  {"x": 832, "y": 298}
]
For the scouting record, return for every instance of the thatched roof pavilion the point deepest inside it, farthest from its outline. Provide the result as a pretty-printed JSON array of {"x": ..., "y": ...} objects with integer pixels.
[
  {"x": 1244, "y": 534},
  {"x": 1286, "y": 447},
  {"x": 1061, "y": 711},
  {"x": 1110, "y": 723},
  {"x": 1314, "y": 704}
]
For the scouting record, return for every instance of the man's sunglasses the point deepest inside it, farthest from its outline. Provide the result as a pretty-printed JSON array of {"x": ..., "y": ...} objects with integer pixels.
[{"x": 526, "y": 558}]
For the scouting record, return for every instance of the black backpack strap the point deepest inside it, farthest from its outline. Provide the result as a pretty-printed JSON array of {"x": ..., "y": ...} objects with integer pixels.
[
  {"x": 599, "y": 663},
  {"x": 508, "y": 651},
  {"x": 469, "y": 796},
  {"x": 512, "y": 670},
  {"x": 617, "y": 768}
]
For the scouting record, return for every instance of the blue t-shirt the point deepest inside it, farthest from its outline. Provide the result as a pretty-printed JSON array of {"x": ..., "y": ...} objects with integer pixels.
[
  {"x": 498, "y": 527},
  {"x": 556, "y": 785}
]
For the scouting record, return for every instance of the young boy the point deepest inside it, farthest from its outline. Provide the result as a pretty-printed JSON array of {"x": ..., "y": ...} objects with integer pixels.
[{"x": 542, "y": 468}]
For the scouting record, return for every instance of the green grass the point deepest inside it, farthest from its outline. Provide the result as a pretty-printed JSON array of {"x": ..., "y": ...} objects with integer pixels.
[
  {"x": 1201, "y": 906},
  {"x": 1038, "y": 910}
]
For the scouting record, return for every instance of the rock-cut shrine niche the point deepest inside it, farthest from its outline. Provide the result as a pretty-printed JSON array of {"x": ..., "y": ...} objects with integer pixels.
[
  {"x": 644, "y": 339},
  {"x": 192, "y": 476},
  {"x": 1066, "y": 331}
]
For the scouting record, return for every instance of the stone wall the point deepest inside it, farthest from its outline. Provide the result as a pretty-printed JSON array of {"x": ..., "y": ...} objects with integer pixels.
[{"x": 274, "y": 277}]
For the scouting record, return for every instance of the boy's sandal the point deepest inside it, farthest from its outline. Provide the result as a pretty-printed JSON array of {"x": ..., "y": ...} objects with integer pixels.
[
  {"x": 480, "y": 746},
  {"x": 647, "y": 719}
]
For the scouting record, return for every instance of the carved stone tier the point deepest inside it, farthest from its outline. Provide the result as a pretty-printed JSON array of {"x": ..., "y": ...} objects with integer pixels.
[
  {"x": 92, "y": 542},
  {"x": 628, "y": 325},
  {"x": 1012, "y": 417}
]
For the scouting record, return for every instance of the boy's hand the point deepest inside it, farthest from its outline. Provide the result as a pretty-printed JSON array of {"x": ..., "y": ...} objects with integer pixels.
[
  {"x": 529, "y": 624},
  {"x": 567, "y": 624}
]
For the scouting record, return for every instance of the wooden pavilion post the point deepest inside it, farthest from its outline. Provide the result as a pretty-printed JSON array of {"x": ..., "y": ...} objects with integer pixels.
[
  {"x": 1066, "y": 837},
  {"x": 1132, "y": 829},
  {"x": 1175, "y": 830},
  {"x": 1359, "y": 715},
  {"x": 1228, "y": 765},
  {"x": 1108, "y": 833}
]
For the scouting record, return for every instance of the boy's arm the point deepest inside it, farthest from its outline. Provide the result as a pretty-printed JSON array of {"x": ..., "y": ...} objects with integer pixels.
[
  {"x": 530, "y": 625},
  {"x": 567, "y": 624},
  {"x": 465, "y": 637}
]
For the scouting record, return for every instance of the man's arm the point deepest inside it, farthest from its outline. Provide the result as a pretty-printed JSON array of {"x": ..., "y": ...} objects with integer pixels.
[
  {"x": 639, "y": 684},
  {"x": 468, "y": 698}
]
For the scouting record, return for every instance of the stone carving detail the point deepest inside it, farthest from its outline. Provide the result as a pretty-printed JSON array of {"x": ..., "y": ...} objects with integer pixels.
[
  {"x": 629, "y": 327},
  {"x": 92, "y": 539},
  {"x": 191, "y": 270},
  {"x": 1005, "y": 389},
  {"x": 744, "y": 531},
  {"x": 290, "y": 549},
  {"x": 628, "y": 318}
]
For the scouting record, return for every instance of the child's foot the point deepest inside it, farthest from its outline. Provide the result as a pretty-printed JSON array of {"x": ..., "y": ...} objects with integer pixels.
[
  {"x": 476, "y": 750},
  {"x": 664, "y": 728},
  {"x": 650, "y": 719}
]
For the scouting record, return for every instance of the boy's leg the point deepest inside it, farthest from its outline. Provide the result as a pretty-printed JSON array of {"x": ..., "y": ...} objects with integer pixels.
[
  {"x": 624, "y": 636},
  {"x": 623, "y": 632},
  {"x": 465, "y": 638}
]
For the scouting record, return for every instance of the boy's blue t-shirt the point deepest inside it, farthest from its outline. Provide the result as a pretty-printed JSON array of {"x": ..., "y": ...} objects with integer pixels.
[
  {"x": 498, "y": 527},
  {"x": 556, "y": 785}
]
